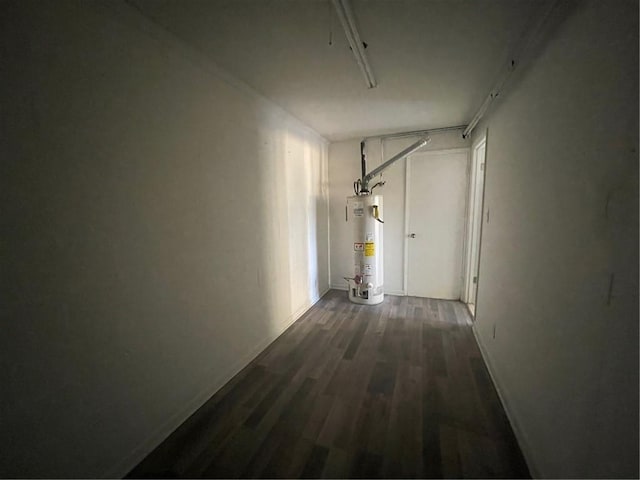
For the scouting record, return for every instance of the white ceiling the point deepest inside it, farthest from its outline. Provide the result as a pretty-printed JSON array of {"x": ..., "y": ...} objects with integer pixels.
[{"x": 434, "y": 61}]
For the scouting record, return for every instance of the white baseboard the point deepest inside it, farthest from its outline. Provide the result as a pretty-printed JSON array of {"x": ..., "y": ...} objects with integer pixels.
[
  {"x": 521, "y": 437},
  {"x": 178, "y": 418},
  {"x": 345, "y": 288},
  {"x": 398, "y": 293}
]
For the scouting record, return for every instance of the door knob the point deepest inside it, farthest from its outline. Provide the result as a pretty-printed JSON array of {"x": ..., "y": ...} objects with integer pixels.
[{"x": 412, "y": 235}]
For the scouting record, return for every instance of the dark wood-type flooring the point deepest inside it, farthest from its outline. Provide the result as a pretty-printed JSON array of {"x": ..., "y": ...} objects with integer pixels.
[{"x": 397, "y": 390}]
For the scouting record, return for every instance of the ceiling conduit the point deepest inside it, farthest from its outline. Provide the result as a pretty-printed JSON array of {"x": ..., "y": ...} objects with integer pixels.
[
  {"x": 517, "y": 57},
  {"x": 348, "y": 21}
]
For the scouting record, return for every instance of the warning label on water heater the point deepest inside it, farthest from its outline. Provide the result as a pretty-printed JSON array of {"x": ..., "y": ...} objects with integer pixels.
[
  {"x": 358, "y": 210},
  {"x": 358, "y": 247},
  {"x": 369, "y": 249}
]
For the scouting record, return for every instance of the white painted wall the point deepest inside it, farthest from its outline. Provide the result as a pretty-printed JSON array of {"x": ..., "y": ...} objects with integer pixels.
[
  {"x": 344, "y": 169},
  {"x": 562, "y": 144},
  {"x": 161, "y": 224}
]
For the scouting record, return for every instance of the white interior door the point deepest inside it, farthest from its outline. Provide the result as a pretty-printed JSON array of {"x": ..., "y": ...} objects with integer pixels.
[
  {"x": 475, "y": 223},
  {"x": 436, "y": 204}
]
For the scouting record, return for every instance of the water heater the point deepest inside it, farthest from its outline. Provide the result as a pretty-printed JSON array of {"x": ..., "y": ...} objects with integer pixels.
[{"x": 364, "y": 216}]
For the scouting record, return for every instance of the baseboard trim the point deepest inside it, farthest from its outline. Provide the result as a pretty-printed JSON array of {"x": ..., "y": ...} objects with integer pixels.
[
  {"x": 521, "y": 437},
  {"x": 397, "y": 293},
  {"x": 345, "y": 288},
  {"x": 177, "y": 419}
]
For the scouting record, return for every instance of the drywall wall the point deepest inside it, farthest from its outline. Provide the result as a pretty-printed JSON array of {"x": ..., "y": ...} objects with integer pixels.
[
  {"x": 161, "y": 224},
  {"x": 560, "y": 221},
  {"x": 344, "y": 169}
]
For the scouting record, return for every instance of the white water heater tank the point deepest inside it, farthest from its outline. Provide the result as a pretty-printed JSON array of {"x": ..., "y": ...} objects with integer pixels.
[{"x": 366, "y": 281}]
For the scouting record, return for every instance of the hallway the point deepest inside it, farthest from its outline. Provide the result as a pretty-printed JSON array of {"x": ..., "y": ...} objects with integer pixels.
[{"x": 390, "y": 391}]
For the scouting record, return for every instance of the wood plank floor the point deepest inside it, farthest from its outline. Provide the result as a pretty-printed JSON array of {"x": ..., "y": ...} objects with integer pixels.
[{"x": 397, "y": 390}]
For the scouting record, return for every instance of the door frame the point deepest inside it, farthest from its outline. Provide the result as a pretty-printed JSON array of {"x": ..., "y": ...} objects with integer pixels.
[
  {"x": 473, "y": 211},
  {"x": 407, "y": 193}
]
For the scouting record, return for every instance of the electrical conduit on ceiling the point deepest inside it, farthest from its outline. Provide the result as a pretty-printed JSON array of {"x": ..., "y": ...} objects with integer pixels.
[{"x": 345, "y": 15}]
